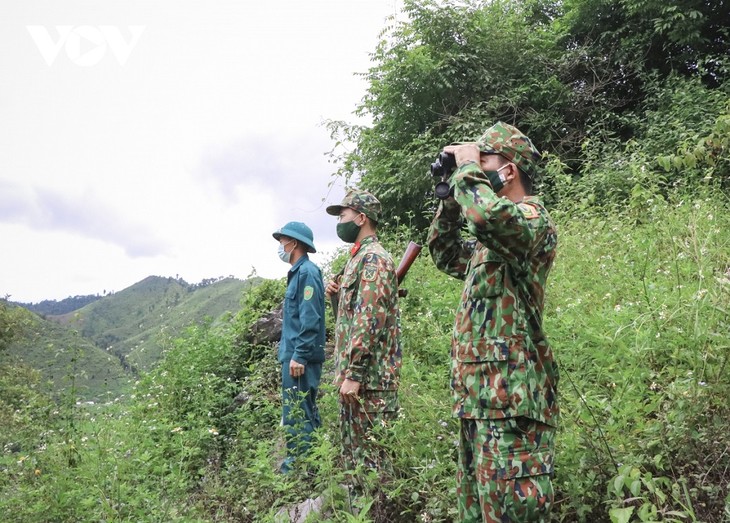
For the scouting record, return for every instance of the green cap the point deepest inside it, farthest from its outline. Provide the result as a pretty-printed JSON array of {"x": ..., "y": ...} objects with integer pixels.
[
  {"x": 297, "y": 231},
  {"x": 360, "y": 201},
  {"x": 507, "y": 141}
]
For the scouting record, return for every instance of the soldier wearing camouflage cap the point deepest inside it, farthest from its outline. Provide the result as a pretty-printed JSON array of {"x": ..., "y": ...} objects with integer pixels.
[
  {"x": 508, "y": 142},
  {"x": 504, "y": 377},
  {"x": 367, "y": 333},
  {"x": 359, "y": 201}
]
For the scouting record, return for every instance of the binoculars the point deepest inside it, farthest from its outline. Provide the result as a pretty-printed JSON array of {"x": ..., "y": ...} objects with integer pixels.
[{"x": 441, "y": 170}]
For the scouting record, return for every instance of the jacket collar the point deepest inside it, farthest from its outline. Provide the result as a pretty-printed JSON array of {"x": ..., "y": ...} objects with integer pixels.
[
  {"x": 299, "y": 262},
  {"x": 365, "y": 241}
]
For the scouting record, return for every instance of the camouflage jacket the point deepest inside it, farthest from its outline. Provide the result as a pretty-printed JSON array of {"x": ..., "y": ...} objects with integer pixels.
[
  {"x": 367, "y": 333},
  {"x": 501, "y": 363}
]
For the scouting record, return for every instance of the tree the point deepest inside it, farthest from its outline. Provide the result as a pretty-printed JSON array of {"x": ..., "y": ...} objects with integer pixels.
[
  {"x": 577, "y": 76},
  {"x": 445, "y": 74},
  {"x": 12, "y": 321},
  {"x": 688, "y": 37}
]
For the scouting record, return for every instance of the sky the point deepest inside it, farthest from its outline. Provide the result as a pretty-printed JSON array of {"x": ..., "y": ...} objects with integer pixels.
[{"x": 170, "y": 138}]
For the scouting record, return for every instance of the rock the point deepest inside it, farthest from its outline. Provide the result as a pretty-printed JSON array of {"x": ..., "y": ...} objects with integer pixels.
[
  {"x": 241, "y": 398},
  {"x": 267, "y": 329},
  {"x": 299, "y": 513}
]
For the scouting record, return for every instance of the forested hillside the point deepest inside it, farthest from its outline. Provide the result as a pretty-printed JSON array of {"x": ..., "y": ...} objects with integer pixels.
[
  {"x": 67, "y": 361},
  {"x": 101, "y": 347},
  {"x": 628, "y": 100},
  {"x": 619, "y": 96},
  {"x": 58, "y": 307},
  {"x": 131, "y": 323}
]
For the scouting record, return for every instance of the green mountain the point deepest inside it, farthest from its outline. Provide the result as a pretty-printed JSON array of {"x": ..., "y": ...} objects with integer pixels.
[
  {"x": 104, "y": 344},
  {"x": 134, "y": 323},
  {"x": 68, "y": 361}
]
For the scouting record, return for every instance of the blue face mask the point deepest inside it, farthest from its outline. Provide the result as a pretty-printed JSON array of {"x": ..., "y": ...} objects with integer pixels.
[{"x": 283, "y": 255}]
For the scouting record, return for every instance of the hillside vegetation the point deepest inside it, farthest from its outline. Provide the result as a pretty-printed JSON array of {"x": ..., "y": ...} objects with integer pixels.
[
  {"x": 131, "y": 322},
  {"x": 59, "y": 307},
  {"x": 100, "y": 348},
  {"x": 629, "y": 102},
  {"x": 67, "y": 361}
]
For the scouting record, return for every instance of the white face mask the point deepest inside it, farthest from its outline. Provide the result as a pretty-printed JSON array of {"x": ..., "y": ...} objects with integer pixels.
[{"x": 283, "y": 255}]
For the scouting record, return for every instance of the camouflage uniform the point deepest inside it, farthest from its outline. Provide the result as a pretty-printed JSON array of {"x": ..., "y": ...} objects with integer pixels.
[
  {"x": 503, "y": 374},
  {"x": 367, "y": 340}
]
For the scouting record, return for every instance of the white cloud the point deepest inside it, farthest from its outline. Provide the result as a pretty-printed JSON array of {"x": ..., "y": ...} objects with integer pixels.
[{"x": 87, "y": 216}]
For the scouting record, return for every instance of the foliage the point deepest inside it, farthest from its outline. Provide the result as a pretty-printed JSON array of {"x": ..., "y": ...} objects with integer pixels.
[
  {"x": 108, "y": 341},
  {"x": 687, "y": 36},
  {"x": 681, "y": 142},
  {"x": 436, "y": 78},
  {"x": 136, "y": 457},
  {"x": 598, "y": 84},
  {"x": 133, "y": 324},
  {"x": 23, "y": 408},
  {"x": 637, "y": 312},
  {"x": 701, "y": 156},
  {"x": 60, "y": 354},
  {"x": 13, "y": 321}
]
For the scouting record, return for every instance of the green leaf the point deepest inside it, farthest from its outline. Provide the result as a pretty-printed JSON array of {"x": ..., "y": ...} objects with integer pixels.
[
  {"x": 621, "y": 515},
  {"x": 647, "y": 512},
  {"x": 635, "y": 487},
  {"x": 618, "y": 484},
  {"x": 665, "y": 162}
]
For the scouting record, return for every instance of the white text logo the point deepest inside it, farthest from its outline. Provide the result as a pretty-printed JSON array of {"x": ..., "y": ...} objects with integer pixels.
[{"x": 85, "y": 45}]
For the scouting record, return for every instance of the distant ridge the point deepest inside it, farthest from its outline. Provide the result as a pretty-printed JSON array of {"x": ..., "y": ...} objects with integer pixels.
[{"x": 54, "y": 307}]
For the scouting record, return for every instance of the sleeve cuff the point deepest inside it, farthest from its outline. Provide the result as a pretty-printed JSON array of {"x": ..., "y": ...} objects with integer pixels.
[
  {"x": 298, "y": 358},
  {"x": 354, "y": 374}
]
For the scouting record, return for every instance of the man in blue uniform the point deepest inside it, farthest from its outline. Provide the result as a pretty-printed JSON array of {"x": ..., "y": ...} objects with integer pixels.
[{"x": 301, "y": 349}]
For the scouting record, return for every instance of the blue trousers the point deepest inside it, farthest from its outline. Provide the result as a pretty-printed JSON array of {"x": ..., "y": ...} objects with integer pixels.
[{"x": 300, "y": 415}]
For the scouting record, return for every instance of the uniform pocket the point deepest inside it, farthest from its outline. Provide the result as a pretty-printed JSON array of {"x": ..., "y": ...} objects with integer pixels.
[
  {"x": 482, "y": 373},
  {"x": 528, "y": 447},
  {"x": 290, "y": 300},
  {"x": 380, "y": 401}
]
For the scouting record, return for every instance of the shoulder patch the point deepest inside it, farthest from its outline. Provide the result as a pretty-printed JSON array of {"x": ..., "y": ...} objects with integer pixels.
[
  {"x": 308, "y": 292},
  {"x": 369, "y": 271},
  {"x": 528, "y": 210}
]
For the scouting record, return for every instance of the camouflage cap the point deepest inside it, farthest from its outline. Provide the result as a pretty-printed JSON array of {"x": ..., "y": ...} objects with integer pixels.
[
  {"x": 360, "y": 201},
  {"x": 507, "y": 141}
]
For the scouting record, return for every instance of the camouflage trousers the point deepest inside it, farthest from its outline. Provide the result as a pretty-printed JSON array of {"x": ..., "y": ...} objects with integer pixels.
[
  {"x": 504, "y": 470},
  {"x": 360, "y": 426}
]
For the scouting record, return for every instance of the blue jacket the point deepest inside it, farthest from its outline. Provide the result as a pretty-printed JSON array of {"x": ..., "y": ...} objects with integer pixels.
[{"x": 302, "y": 334}]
